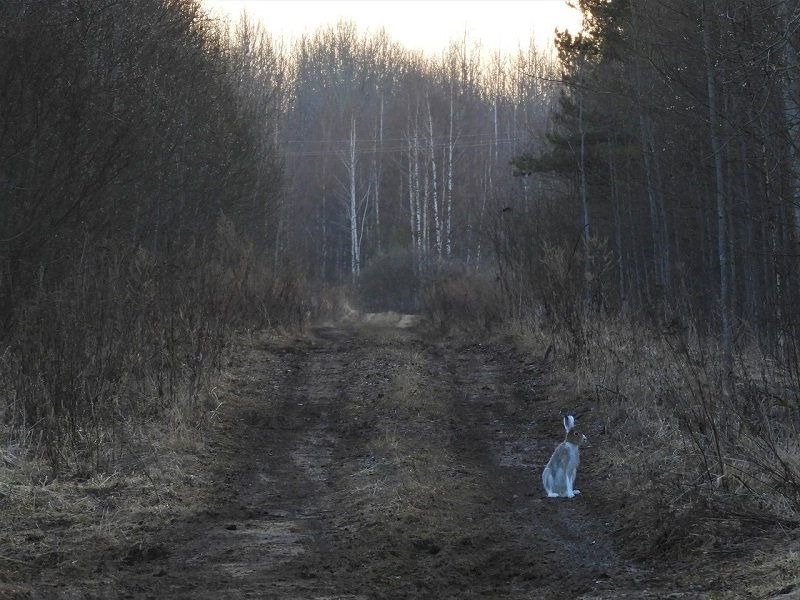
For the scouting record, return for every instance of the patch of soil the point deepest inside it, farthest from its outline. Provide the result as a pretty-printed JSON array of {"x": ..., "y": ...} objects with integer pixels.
[{"x": 369, "y": 463}]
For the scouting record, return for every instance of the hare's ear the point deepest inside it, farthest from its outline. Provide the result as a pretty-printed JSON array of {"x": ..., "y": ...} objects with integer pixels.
[{"x": 569, "y": 422}]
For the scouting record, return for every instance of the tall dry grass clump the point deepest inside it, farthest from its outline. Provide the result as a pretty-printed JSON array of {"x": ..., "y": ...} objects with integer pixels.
[
  {"x": 703, "y": 453},
  {"x": 464, "y": 299},
  {"x": 390, "y": 281}
]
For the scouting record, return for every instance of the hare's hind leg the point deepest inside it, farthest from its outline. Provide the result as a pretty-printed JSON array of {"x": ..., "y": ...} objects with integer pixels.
[
  {"x": 548, "y": 483},
  {"x": 571, "y": 493}
]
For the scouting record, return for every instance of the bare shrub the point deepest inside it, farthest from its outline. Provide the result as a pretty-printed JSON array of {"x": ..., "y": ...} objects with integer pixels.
[
  {"x": 559, "y": 299},
  {"x": 558, "y": 290},
  {"x": 329, "y": 303},
  {"x": 390, "y": 281},
  {"x": 120, "y": 280},
  {"x": 255, "y": 296},
  {"x": 129, "y": 338},
  {"x": 464, "y": 299}
]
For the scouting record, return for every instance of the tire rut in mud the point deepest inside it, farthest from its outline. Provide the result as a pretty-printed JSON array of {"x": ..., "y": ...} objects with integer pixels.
[
  {"x": 363, "y": 464},
  {"x": 272, "y": 454}
]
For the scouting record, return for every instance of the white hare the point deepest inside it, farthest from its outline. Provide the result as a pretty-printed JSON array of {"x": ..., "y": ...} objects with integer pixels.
[{"x": 558, "y": 477}]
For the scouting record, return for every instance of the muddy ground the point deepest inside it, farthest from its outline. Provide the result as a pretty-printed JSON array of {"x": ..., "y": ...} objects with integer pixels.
[{"x": 363, "y": 462}]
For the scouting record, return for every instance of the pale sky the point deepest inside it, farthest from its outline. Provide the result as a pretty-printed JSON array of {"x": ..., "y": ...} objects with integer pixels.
[{"x": 417, "y": 24}]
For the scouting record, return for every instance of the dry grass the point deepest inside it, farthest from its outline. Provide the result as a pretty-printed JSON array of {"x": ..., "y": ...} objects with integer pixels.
[
  {"x": 110, "y": 383},
  {"x": 130, "y": 338},
  {"x": 691, "y": 465},
  {"x": 769, "y": 574},
  {"x": 106, "y": 516},
  {"x": 464, "y": 299},
  {"x": 398, "y": 482},
  {"x": 69, "y": 528}
]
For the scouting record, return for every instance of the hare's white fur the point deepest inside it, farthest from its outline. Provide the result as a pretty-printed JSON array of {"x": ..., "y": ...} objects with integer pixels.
[{"x": 558, "y": 476}]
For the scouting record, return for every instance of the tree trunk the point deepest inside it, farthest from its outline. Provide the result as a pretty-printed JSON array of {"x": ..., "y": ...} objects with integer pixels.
[
  {"x": 584, "y": 197},
  {"x": 449, "y": 197},
  {"x": 355, "y": 250},
  {"x": 655, "y": 193},
  {"x": 437, "y": 225},
  {"x": 377, "y": 168},
  {"x": 791, "y": 111},
  {"x": 617, "y": 218},
  {"x": 721, "y": 205}
]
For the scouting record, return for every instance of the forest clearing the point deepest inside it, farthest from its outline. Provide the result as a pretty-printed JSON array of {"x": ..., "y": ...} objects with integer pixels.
[{"x": 304, "y": 318}]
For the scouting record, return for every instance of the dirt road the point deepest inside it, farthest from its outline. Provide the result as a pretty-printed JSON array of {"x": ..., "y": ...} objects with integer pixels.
[{"x": 376, "y": 463}]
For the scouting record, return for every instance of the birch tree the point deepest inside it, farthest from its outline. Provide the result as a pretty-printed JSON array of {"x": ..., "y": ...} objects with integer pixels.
[{"x": 437, "y": 224}]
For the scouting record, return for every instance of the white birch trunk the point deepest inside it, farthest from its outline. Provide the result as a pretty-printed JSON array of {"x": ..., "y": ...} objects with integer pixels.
[
  {"x": 376, "y": 170},
  {"x": 411, "y": 210},
  {"x": 449, "y": 196},
  {"x": 437, "y": 224},
  {"x": 417, "y": 200},
  {"x": 414, "y": 204},
  {"x": 426, "y": 195},
  {"x": 355, "y": 250},
  {"x": 496, "y": 132}
]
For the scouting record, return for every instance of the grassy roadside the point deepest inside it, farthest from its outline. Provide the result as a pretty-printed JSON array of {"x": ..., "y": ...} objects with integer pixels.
[
  {"x": 57, "y": 530},
  {"x": 688, "y": 471},
  {"x": 68, "y": 530}
]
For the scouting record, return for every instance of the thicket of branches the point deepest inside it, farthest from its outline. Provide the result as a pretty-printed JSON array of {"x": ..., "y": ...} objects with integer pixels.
[{"x": 139, "y": 179}]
